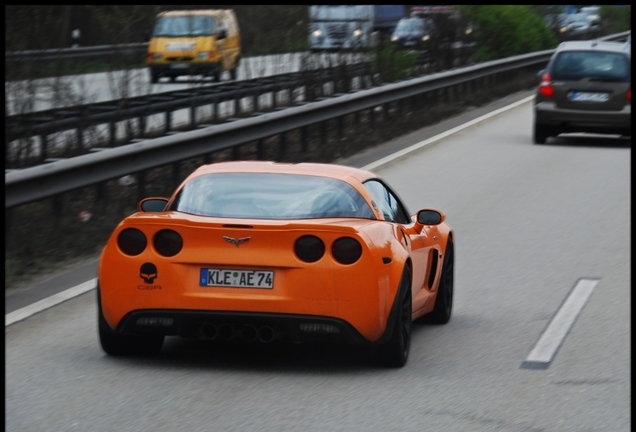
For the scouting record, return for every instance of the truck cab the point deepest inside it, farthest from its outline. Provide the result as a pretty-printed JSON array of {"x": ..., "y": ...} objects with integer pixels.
[{"x": 351, "y": 27}]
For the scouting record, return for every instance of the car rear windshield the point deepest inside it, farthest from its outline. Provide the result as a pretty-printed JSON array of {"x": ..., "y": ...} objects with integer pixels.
[
  {"x": 270, "y": 196},
  {"x": 595, "y": 65}
]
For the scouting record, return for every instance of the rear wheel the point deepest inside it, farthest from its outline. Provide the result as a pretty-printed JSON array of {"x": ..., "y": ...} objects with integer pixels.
[
  {"x": 443, "y": 308},
  {"x": 395, "y": 352},
  {"x": 117, "y": 344},
  {"x": 541, "y": 134}
]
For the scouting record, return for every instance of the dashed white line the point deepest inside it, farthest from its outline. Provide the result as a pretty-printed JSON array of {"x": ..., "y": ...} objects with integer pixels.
[
  {"x": 48, "y": 302},
  {"x": 546, "y": 347}
]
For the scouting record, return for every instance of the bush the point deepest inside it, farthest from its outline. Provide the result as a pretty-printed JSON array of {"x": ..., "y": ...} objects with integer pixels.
[
  {"x": 504, "y": 31},
  {"x": 616, "y": 19},
  {"x": 393, "y": 64}
]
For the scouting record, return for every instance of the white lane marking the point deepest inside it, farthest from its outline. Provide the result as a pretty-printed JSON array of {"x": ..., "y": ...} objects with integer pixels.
[
  {"x": 553, "y": 336},
  {"x": 419, "y": 145},
  {"x": 48, "y": 302}
]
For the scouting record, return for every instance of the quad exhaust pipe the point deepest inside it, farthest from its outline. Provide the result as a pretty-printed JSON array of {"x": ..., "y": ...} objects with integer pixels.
[
  {"x": 266, "y": 334},
  {"x": 207, "y": 332},
  {"x": 227, "y": 332}
]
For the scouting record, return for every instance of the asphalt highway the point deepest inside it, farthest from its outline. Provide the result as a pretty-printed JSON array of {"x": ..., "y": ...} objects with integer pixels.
[{"x": 539, "y": 339}]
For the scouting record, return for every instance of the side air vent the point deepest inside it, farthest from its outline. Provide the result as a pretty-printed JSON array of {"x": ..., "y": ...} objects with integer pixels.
[{"x": 433, "y": 271}]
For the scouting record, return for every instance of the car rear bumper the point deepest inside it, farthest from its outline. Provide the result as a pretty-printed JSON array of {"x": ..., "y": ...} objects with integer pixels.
[
  {"x": 548, "y": 114},
  {"x": 247, "y": 326}
]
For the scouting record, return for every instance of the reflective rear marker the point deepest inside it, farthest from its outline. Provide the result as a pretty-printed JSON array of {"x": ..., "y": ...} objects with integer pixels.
[{"x": 553, "y": 336}]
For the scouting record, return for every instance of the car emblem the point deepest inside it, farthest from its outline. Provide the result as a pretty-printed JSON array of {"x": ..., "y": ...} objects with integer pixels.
[{"x": 236, "y": 242}]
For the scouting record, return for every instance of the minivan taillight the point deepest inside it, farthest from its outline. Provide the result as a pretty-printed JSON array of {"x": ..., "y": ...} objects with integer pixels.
[{"x": 546, "y": 89}]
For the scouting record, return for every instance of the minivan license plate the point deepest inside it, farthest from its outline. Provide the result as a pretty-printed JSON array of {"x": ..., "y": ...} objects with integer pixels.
[
  {"x": 589, "y": 97},
  {"x": 214, "y": 277}
]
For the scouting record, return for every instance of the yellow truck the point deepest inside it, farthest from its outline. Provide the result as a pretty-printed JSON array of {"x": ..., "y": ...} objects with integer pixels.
[{"x": 194, "y": 42}]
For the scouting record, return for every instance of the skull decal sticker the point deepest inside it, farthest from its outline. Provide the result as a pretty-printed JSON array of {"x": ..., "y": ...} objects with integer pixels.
[{"x": 148, "y": 272}]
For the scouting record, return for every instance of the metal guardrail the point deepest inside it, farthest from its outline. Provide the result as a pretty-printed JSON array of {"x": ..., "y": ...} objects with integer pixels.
[
  {"x": 44, "y": 122},
  {"x": 32, "y": 184},
  {"x": 74, "y": 53}
]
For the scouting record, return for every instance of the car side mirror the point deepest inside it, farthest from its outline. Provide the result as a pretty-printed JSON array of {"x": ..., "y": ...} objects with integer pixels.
[
  {"x": 153, "y": 204},
  {"x": 430, "y": 217},
  {"x": 222, "y": 34}
]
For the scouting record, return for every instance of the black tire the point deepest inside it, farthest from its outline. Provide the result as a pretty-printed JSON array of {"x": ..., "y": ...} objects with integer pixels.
[
  {"x": 541, "y": 134},
  {"x": 443, "y": 308},
  {"x": 395, "y": 352},
  {"x": 154, "y": 78},
  {"x": 116, "y": 344}
]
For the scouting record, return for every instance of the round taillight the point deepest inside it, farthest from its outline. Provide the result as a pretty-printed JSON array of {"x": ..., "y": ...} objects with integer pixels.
[
  {"x": 546, "y": 89},
  {"x": 131, "y": 241},
  {"x": 168, "y": 243},
  {"x": 309, "y": 248},
  {"x": 346, "y": 250}
]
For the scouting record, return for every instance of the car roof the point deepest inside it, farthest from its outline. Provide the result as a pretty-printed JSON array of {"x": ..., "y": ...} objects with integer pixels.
[
  {"x": 340, "y": 172},
  {"x": 593, "y": 45}
]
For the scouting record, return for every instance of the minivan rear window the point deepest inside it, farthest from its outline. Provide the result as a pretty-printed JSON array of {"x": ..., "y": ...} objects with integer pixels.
[{"x": 596, "y": 65}]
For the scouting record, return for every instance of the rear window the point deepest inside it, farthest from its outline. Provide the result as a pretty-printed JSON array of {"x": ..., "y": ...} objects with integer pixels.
[
  {"x": 596, "y": 65},
  {"x": 270, "y": 196}
]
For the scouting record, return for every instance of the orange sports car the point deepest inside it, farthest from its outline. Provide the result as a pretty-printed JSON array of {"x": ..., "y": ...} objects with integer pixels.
[{"x": 264, "y": 251}]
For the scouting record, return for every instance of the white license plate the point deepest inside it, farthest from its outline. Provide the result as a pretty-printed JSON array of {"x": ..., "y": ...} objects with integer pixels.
[
  {"x": 589, "y": 97},
  {"x": 236, "y": 278},
  {"x": 180, "y": 46},
  {"x": 178, "y": 66}
]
